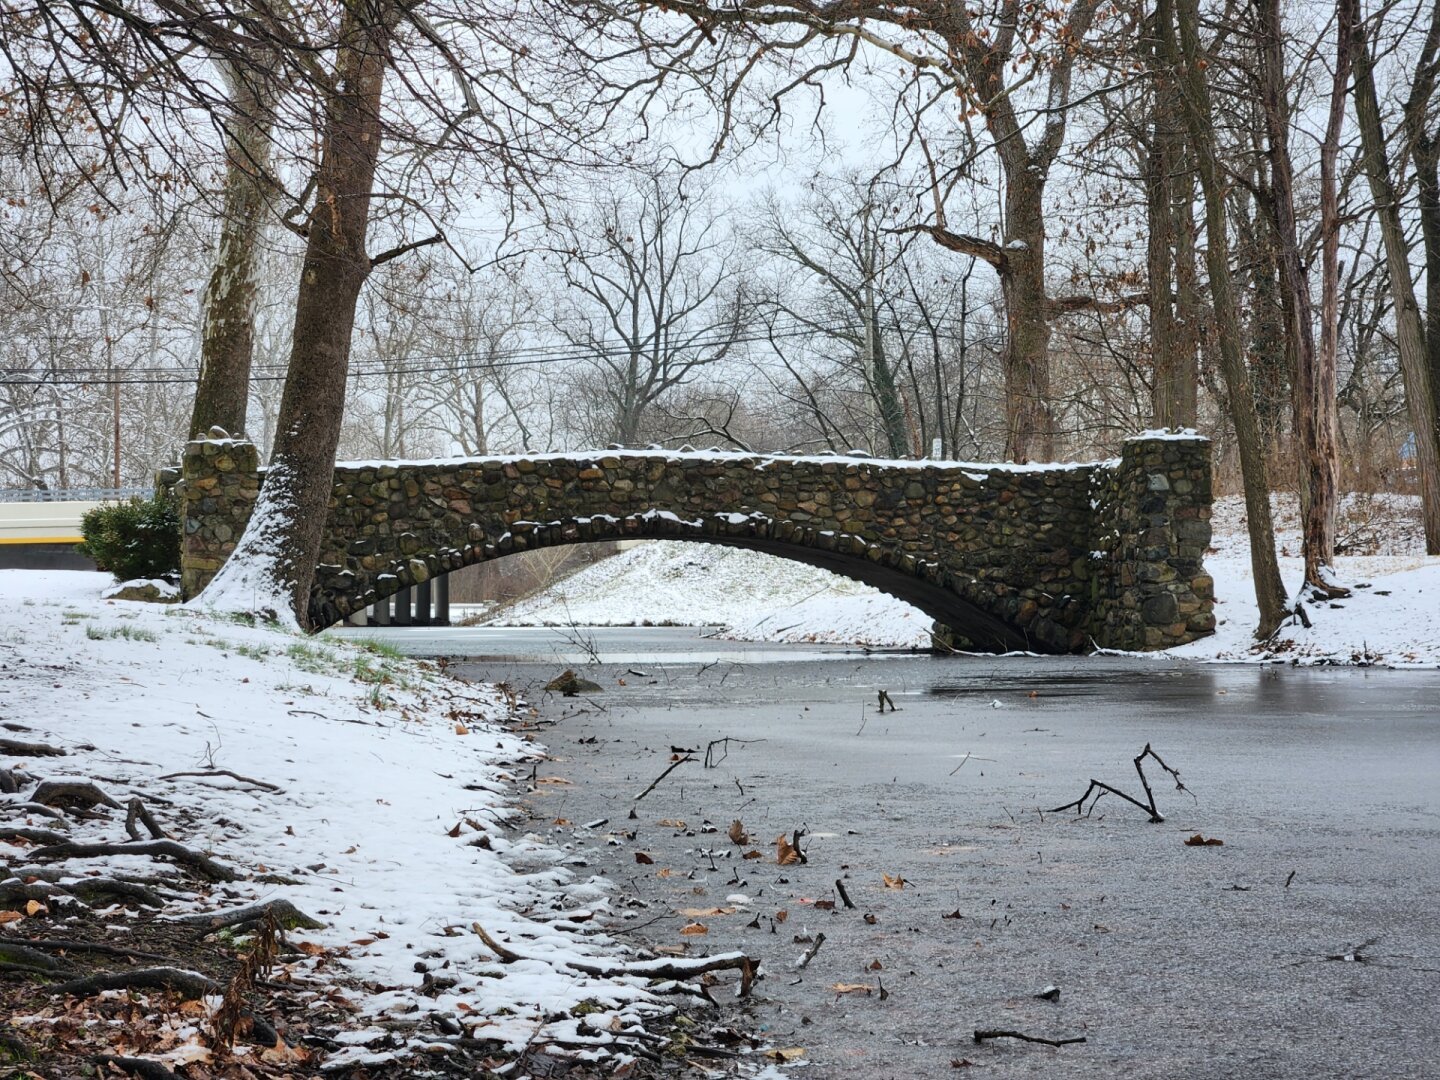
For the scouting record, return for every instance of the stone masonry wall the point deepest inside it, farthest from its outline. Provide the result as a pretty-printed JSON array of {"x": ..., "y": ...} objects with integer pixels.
[{"x": 1013, "y": 554}]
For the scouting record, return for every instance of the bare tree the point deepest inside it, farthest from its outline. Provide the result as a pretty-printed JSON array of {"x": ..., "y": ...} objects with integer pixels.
[
  {"x": 1180, "y": 45},
  {"x": 654, "y": 298}
]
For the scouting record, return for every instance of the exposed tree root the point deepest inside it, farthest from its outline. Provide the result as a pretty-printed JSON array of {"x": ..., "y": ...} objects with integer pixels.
[
  {"x": 1149, "y": 807},
  {"x": 211, "y": 773},
  {"x": 34, "y": 836},
  {"x": 71, "y": 794},
  {"x": 82, "y": 890},
  {"x": 181, "y": 854},
  {"x": 20, "y": 748},
  {"x": 286, "y": 915},
  {"x": 645, "y": 969},
  {"x": 13, "y": 953},
  {"x": 66, "y": 945},
  {"x": 136, "y": 811}
]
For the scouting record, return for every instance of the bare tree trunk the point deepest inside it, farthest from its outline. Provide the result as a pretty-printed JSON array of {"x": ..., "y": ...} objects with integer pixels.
[
  {"x": 1185, "y": 60},
  {"x": 227, "y": 331},
  {"x": 273, "y": 565},
  {"x": 1313, "y": 385},
  {"x": 1410, "y": 336},
  {"x": 1031, "y": 422},
  {"x": 1425, "y": 154}
]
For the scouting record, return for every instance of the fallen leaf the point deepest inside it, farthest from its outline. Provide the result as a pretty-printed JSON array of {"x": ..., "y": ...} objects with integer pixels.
[
  {"x": 553, "y": 780},
  {"x": 701, "y": 913},
  {"x": 953, "y": 915},
  {"x": 694, "y": 928},
  {"x": 363, "y": 941},
  {"x": 961, "y": 1063},
  {"x": 896, "y": 882},
  {"x": 737, "y": 833},
  {"x": 870, "y": 920},
  {"x": 666, "y": 872},
  {"x": 785, "y": 852},
  {"x": 853, "y": 988},
  {"x": 461, "y": 729},
  {"x": 309, "y": 948},
  {"x": 789, "y": 1053},
  {"x": 280, "y": 1054},
  {"x": 670, "y": 823},
  {"x": 781, "y": 916},
  {"x": 753, "y": 855},
  {"x": 563, "y": 821},
  {"x": 824, "y": 905},
  {"x": 643, "y": 859},
  {"x": 455, "y": 831},
  {"x": 35, "y": 907},
  {"x": 875, "y": 965},
  {"x": 1200, "y": 841},
  {"x": 669, "y": 950}
]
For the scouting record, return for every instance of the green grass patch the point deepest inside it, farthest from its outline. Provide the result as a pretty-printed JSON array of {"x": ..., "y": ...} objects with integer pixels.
[{"x": 131, "y": 633}]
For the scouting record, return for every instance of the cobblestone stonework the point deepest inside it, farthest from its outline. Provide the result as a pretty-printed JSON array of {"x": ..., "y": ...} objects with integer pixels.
[{"x": 1050, "y": 558}]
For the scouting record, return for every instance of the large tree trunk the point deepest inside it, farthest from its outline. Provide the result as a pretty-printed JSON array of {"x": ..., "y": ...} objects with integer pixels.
[
  {"x": 1409, "y": 335},
  {"x": 1425, "y": 154},
  {"x": 1185, "y": 60},
  {"x": 1316, "y": 419},
  {"x": 1030, "y": 420},
  {"x": 227, "y": 331},
  {"x": 273, "y": 565}
]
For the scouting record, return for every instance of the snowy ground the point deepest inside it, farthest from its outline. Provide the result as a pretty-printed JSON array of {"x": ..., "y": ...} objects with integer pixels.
[
  {"x": 1393, "y": 618},
  {"x": 368, "y": 790}
]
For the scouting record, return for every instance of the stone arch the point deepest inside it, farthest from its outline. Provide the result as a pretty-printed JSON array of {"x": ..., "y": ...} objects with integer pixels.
[
  {"x": 1048, "y": 558},
  {"x": 951, "y": 601}
]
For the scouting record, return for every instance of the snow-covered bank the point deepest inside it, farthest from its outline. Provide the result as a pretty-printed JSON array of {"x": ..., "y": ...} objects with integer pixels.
[
  {"x": 368, "y": 790},
  {"x": 1396, "y": 620}
]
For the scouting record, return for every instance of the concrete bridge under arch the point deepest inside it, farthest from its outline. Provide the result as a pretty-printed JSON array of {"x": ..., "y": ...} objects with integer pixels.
[{"x": 1050, "y": 558}]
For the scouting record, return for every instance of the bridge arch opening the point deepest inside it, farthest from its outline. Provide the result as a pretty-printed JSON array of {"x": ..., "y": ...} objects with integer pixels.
[{"x": 925, "y": 585}]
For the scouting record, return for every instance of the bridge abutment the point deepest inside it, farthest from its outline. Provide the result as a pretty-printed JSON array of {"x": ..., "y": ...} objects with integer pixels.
[{"x": 1051, "y": 558}]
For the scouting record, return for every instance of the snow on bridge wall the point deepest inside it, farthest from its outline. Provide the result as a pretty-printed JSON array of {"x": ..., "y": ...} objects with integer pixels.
[{"x": 1052, "y": 558}]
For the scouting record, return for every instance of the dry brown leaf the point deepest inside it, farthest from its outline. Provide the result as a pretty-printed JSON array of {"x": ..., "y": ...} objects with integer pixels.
[
  {"x": 785, "y": 852},
  {"x": 670, "y": 823},
  {"x": 280, "y": 1054},
  {"x": 701, "y": 913},
  {"x": 666, "y": 872},
  {"x": 853, "y": 988},
  {"x": 669, "y": 950},
  {"x": 643, "y": 859},
  {"x": 1200, "y": 841},
  {"x": 461, "y": 729},
  {"x": 455, "y": 831},
  {"x": 896, "y": 882},
  {"x": 9, "y": 917},
  {"x": 694, "y": 928},
  {"x": 789, "y": 1053},
  {"x": 35, "y": 907},
  {"x": 737, "y": 833},
  {"x": 553, "y": 780},
  {"x": 562, "y": 821},
  {"x": 309, "y": 948},
  {"x": 753, "y": 855},
  {"x": 782, "y": 915}
]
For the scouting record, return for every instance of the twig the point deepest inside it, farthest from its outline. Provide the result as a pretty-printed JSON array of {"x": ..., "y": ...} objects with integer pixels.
[
  {"x": 65, "y": 945},
  {"x": 844, "y": 896},
  {"x": 261, "y": 784},
  {"x": 801, "y": 964},
  {"x": 673, "y": 766},
  {"x": 981, "y": 1036},
  {"x": 1155, "y": 816},
  {"x": 711, "y": 760}
]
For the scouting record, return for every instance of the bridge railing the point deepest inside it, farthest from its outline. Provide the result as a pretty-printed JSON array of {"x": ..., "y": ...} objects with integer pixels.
[{"x": 89, "y": 494}]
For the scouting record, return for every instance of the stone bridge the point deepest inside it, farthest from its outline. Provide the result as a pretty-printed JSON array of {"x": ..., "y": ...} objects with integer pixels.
[{"x": 1050, "y": 558}]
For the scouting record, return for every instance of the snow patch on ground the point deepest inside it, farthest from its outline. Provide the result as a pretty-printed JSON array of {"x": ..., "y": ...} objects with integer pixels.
[{"x": 391, "y": 823}]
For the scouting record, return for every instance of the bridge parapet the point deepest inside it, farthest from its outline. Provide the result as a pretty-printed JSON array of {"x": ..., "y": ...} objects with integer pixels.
[{"x": 1042, "y": 557}]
